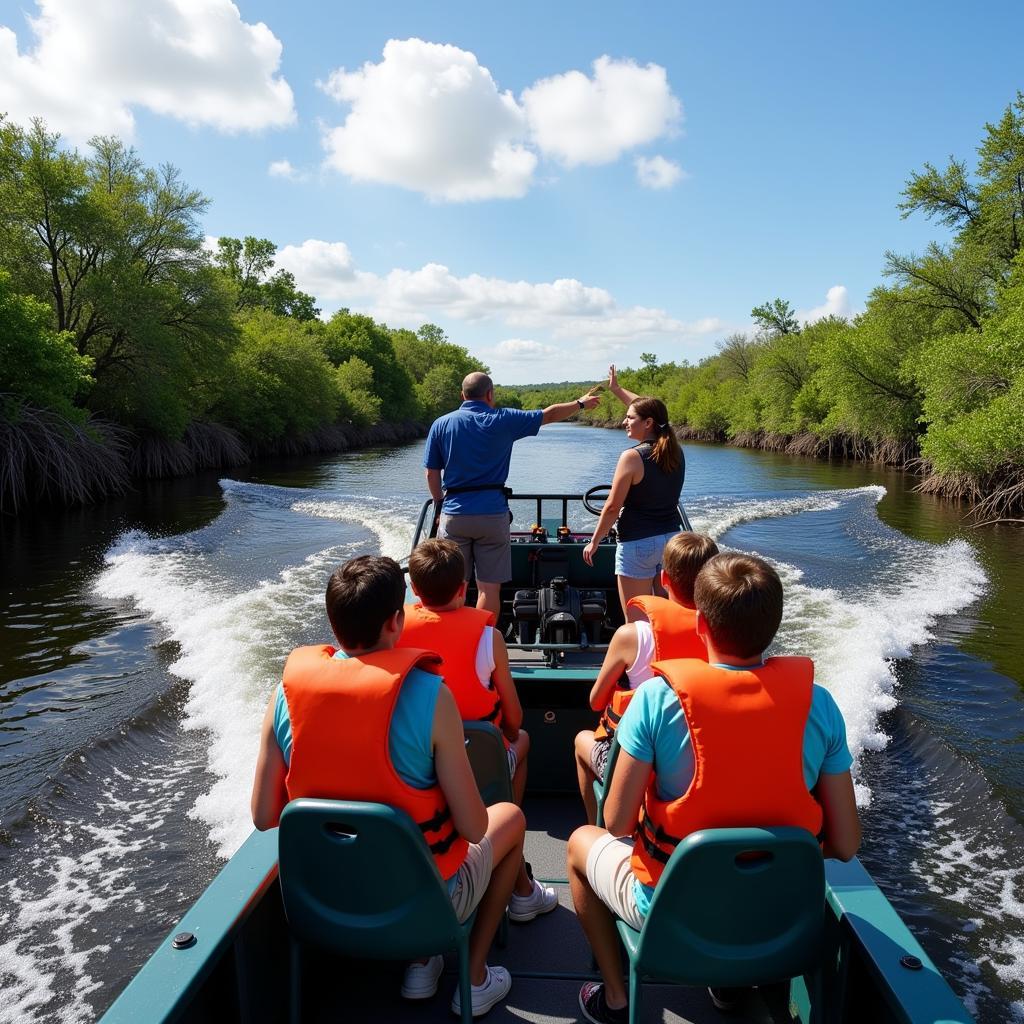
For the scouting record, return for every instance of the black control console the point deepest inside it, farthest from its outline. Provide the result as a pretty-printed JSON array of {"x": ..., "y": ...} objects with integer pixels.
[{"x": 562, "y": 614}]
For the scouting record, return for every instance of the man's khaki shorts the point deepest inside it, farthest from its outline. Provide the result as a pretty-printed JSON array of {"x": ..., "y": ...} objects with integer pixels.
[
  {"x": 484, "y": 543},
  {"x": 472, "y": 878}
]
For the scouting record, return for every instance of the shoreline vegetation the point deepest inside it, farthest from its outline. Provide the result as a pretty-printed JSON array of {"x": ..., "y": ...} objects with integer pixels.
[{"x": 130, "y": 347}]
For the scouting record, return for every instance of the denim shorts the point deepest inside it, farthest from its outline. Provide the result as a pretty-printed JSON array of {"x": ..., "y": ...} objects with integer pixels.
[{"x": 641, "y": 559}]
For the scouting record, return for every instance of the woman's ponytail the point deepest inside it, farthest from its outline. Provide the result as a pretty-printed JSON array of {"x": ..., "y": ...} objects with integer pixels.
[{"x": 667, "y": 454}]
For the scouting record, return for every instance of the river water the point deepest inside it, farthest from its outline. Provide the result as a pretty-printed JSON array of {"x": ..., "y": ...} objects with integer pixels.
[{"x": 139, "y": 641}]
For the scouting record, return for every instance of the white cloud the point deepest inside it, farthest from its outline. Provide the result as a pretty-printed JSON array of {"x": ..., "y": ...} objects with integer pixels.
[
  {"x": 657, "y": 172},
  {"x": 429, "y": 118},
  {"x": 581, "y": 120},
  {"x": 837, "y": 303},
  {"x": 193, "y": 60},
  {"x": 322, "y": 269},
  {"x": 285, "y": 169},
  {"x": 566, "y": 309},
  {"x": 522, "y": 349}
]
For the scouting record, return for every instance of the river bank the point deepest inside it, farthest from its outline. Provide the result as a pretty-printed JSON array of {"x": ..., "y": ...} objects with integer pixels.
[{"x": 46, "y": 462}]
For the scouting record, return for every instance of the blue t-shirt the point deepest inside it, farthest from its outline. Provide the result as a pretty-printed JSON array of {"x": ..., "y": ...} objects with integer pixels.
[
  {"x": 473, "y": 445},
  {"x": 412, "y": 725},
  {"x": 653, "y": 730}
]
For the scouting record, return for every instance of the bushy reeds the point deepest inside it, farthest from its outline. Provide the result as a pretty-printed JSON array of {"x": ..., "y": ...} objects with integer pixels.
[{"x": 43, "y": 456}]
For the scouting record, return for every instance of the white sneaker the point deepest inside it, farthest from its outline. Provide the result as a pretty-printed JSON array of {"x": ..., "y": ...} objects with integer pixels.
[
  {"x": 493, "y": 990},
  {"x": 420, "y": 980},
  {"x": 525, "y": 908}
]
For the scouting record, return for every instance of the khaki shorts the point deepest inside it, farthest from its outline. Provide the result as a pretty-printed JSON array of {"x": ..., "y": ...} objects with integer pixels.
[
  {"x": 484, "y": 543},
  {"x": 472, "y": 878},
  {"x": 611, "y": 877}
]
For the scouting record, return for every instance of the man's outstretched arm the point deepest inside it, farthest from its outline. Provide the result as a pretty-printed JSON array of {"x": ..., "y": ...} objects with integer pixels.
[{"x": 563, "y": 410}]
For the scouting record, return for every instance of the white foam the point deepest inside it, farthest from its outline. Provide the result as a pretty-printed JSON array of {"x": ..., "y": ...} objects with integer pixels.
[
  {"x": 393, "y": 530},
  {"x": 717, "y": 521}
]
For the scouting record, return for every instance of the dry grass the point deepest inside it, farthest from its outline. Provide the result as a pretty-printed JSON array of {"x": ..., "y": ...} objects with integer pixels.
[
  {"x": 45, "y": 457},
  {"x": 213, "y": 446}
]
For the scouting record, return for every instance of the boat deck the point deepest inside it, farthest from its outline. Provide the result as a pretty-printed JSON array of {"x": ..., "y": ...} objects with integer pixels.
[{"x": 549, "y": 959}]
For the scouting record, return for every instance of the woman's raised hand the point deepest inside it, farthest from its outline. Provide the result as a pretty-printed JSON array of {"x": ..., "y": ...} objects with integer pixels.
[{"x": 613, "y": 380}]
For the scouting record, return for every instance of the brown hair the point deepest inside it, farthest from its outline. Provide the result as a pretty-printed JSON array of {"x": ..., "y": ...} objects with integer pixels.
[
  {"x": 667, "y": 454},
  {"x": 740, "y": 597},
  {"x": 436, "y": 571},
  {"x": 361, "y": 596},
  {"x": 684, "y": 556}
]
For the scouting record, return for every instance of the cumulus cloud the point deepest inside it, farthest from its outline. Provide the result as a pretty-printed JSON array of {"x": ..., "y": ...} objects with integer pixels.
[
  {"x": 323, "y": 269},
  {"x": 284, "y": 169},
  {"x": 429, "y": 118},
  {"x": 193, "y": 60},
  {"x": 522, "y": 349},
  {"x": 837, "y": 303},
  {"x": 657, "y": 172},
  {"x": 566, "y": 309},
  {"x": 581, "y": 120}
]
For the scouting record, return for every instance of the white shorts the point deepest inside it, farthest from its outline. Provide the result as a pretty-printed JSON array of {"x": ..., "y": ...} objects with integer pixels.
[{"x": 611, "y": 877}]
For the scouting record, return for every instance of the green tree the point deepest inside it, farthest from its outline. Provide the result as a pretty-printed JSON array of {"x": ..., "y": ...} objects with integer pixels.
[
  {"x": 37, "y": 363},
  {"x": 247, "y": 264},
  {"x": 776, "y": 316},
  {"x": 359, "y": 405},
  {"x": 279, "y": 383},
  {"x": 117, "y": 249}
]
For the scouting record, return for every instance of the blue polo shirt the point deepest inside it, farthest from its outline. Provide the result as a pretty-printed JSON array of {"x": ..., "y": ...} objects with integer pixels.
[{"x": 473, "y": 446}]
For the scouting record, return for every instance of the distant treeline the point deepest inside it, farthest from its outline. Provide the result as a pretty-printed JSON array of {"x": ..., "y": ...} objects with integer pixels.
[
  {"x": 128, "y": 349},
  {"x": 930, "y": 377}
]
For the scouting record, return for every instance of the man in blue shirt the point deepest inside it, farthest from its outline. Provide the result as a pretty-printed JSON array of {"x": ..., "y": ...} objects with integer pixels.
[{"x": 472, "y": 446}]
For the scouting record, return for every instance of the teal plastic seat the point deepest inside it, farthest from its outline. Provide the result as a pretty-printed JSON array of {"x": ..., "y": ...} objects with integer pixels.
[
  {"x": 601, "y": 787},
  {"x": 485, "y": 749},
  {"x": 734, "y": 907},
  {"x": 326, "y": 851}
]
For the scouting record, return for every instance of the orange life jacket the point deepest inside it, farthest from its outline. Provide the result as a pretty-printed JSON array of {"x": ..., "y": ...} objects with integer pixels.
[
  {"x": 747, "y": 731},
  {"x": 341, "y": 710},
  {"x": 674, "y": 627},
  {"x": 455, "y": 635}
]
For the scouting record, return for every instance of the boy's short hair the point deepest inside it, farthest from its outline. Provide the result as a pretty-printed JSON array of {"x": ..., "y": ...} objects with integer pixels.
[
  {"x": 436, "y": 571},
  {"x": 361, "y": 596},
  {"x": 684, "y": 556},
  {"x": 740, "y": 598}
]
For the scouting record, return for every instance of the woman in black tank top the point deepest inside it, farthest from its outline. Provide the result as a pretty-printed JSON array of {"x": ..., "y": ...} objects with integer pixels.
[{"x": 644, "y": 497}]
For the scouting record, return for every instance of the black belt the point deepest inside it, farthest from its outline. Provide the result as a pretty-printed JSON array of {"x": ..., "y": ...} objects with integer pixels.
[{"x": 507, "y": 491}]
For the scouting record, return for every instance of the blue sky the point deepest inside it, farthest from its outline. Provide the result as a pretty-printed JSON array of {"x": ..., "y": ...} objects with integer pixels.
[{"x": 482, "y": 172}]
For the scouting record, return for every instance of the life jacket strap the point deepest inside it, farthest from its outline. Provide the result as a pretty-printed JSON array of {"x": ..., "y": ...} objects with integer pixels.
[{"x": 433, "y": 824}]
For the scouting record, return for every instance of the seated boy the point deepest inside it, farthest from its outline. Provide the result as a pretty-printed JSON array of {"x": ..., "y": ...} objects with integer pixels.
[
  {"x": 475, "y": 669},
  {"x": 668, "y": 630},
  {"x": 408, "y": 751},
  {"x": 740, "y": 702}
]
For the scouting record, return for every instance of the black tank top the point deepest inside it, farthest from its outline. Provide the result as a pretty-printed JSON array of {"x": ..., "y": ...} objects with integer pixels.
[{"x": 652, "y": 506}]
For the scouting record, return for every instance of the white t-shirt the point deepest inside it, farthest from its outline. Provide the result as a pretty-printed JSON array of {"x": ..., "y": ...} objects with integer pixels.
[
  {"x": 485, "y": 658},
  {"x": 640, "y": 671}
]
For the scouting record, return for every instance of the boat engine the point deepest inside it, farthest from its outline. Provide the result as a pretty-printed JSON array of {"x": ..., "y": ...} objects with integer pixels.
[{"x": 559, "y": 613}]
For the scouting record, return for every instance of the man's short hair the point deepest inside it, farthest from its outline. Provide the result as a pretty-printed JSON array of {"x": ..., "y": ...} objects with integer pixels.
[
  {"x": 740, "y": 598},
  {"x": 436, "y": 571},
  {"x": 476, "y": 385},
  {"x": 684, "y": 556},
  {"x": 361, "y": 596}
]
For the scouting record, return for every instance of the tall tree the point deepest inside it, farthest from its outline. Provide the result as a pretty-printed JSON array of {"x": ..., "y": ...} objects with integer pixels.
[
  {"x": 776, "y": 316},
  {"x": 247, "y": 263}
]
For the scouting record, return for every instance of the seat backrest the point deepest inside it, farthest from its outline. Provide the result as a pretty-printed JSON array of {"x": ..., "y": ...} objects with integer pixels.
[
  {"x": 737, "y": 906},
  {"x": 358, "y": 878},
  {"x": 489, "y": 761}
]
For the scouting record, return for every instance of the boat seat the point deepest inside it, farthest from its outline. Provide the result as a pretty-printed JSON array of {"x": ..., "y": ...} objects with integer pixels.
[
  {"x": 330, "y": 852},
  {"x": 734, "y": 907},
  {"x": 485, "y": 749}
]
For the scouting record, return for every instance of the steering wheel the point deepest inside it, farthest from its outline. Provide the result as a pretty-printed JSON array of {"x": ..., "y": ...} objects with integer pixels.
[{"x": 598, "y": 493}]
